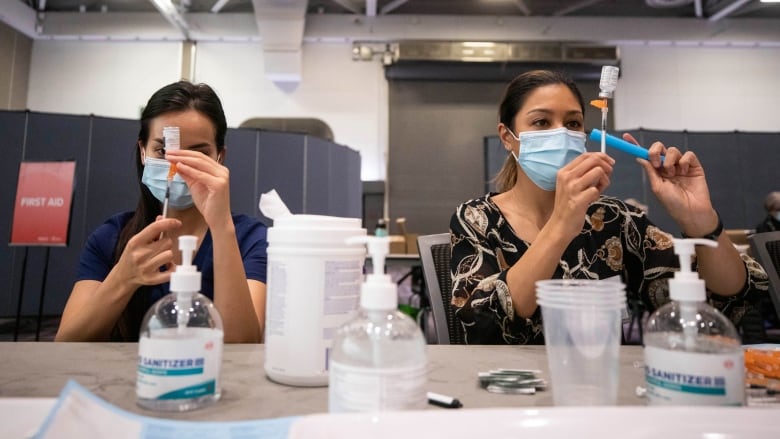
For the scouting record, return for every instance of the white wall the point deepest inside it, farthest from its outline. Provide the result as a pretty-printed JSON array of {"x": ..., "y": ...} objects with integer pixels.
[
  {"x": 115, "y": 79},
  {"x": 698, "y": 88},
  {"x": 661, "y": 87}
]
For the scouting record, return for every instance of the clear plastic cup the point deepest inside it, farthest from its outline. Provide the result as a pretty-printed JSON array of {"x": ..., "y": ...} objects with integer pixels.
[{"x": 582, "y": 323}]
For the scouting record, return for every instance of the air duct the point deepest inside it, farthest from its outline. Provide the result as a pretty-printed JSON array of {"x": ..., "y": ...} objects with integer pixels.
[
  {"x": 487, "y": 61},
  {"x": 280, "y": 24}
]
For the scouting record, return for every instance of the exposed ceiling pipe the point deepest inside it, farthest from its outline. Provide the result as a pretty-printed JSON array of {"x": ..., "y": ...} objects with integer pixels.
[
  {"x": 371, "y": 8},
  {"x": 575, "y": 7},
  {"x": 393, "y": 5},
  {"x": 725, "y": 12},
  {"x": 219, "y": 5},
  {"x": 172, "y": 15},
  {"x": 697, "y": 8},
  {"x": 523, "y": 7}
]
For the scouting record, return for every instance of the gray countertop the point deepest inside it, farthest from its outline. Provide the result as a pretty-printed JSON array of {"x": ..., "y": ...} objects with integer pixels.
[{"x": 109, "y": 370}]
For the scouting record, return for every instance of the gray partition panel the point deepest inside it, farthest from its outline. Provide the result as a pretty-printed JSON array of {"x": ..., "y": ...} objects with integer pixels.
[
  {"x": 317, "y": 173},
  {"x": 12, "y": 126},
  {"x": 56, "y": 137},
  {"x": 495, "y": 156},
  {"x": 720, "y": 156},
  {"x": 759, "y": 159},
  {"x": 241, "y": 159},
  {"x": 279, "y": 167}
]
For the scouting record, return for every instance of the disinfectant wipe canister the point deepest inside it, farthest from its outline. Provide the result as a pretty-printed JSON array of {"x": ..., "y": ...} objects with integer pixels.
[{"x": 314, "y": 282}]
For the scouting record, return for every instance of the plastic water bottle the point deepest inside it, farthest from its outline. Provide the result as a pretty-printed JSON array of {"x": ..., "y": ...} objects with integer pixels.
[
  {"x": 378, "y": 361},
  {"x": 180, "y": 348},
  {"x": 693, "y": 354}
]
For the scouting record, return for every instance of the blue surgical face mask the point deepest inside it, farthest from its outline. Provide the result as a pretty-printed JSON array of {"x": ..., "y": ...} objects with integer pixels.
[
  {"x": 544, "y": 153},
  {"x": 777, "y": 216},
  {"x": 155, "y": 177}
]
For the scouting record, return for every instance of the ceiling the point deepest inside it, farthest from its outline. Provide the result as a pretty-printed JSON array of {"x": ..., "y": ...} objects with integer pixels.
[{"x": 532, "y": 8}]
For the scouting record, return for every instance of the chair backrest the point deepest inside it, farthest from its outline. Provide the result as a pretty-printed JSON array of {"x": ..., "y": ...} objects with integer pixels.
[
  {"x": 766, "y": 249},
  {"x": 435, "y": 256}
]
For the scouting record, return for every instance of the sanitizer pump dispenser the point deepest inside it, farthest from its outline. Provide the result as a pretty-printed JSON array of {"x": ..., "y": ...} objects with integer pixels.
[
  {"x": 180, "y": 345},
  {"x": 378, "y": 361},
  {"x": 693, "y": 354}
]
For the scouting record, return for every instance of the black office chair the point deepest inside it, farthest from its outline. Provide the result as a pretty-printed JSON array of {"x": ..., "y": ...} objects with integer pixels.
[
  {"x": 435, "y": 255},
  {"x": 765, "y": 247}
]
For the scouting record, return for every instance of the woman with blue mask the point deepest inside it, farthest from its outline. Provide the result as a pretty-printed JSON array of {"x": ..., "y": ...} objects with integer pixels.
[
  {"x": 550, "y": 220},
  {"x": 126, "y": 263}
]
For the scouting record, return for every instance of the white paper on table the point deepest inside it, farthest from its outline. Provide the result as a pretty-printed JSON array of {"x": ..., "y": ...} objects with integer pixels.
[{"x": 80, "y": 413}]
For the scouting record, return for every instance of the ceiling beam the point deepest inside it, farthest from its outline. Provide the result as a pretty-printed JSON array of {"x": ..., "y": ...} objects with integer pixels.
[
  {"x": 371, "y": 8},
  {"x": 342, "y": 28}
]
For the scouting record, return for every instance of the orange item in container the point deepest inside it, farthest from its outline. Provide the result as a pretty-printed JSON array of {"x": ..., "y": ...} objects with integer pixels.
[
  {"x": 599, "y": 103},
  {"x": 763, "y": 362}
]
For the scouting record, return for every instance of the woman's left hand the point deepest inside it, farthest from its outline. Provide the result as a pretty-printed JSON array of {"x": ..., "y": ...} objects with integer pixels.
[
  {"x": 209, "y": 183},
  {"x": 680, "y": 185}
]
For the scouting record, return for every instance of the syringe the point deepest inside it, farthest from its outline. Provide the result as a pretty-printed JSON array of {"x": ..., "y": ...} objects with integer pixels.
[
  {"x": 172, "y": 141},
  {"x": 607, "y": 85}
]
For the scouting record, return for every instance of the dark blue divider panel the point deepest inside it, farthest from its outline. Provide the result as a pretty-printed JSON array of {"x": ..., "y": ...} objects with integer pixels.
[
  {"x": 280, "y": 166},
  {"x": 112, "y": 183},
  {"x": 345, "y": 189},
  {"x": 338, "y": 188},
  {"x": 12, "y": 128},
  {"x": 720, "y": 156},
  {"x": 759, "y": 165},
  {"x": 355, "y": 186},
  {"x": 657, "y": 213},
  {"x": 316, "y": 174},
  {"x": 241, "y": 159},
  {"x": 627, "y": 180},
  {"x": 56, "y": 137}
]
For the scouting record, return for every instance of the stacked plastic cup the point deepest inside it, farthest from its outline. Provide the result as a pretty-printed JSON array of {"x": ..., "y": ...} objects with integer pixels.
[{"x": 582, "y": 330}]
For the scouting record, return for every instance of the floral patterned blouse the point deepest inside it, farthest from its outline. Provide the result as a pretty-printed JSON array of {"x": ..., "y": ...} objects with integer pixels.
[{"x": 616, "y": 240}]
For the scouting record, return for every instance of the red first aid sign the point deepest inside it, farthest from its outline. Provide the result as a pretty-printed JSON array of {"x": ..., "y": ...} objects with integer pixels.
[{"x": 43, "y": 199}]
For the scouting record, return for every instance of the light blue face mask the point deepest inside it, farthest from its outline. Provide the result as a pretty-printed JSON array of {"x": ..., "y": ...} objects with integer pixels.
[
  {"x": 777, "y": 216},
  {"x": 543, "y": 153},
  {"x": 155, "y": 177}
]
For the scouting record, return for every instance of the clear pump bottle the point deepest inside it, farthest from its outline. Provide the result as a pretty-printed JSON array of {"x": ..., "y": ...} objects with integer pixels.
[
  {"x": 180, "y": 345},
  {"x": 693, "y": 354},
  {"x": 378, "y": 360}
]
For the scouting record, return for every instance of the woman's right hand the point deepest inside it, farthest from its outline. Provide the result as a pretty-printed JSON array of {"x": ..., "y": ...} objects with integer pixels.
[
  {"x": 579, "y": 184},
  {"x": 146, "y": 252}
]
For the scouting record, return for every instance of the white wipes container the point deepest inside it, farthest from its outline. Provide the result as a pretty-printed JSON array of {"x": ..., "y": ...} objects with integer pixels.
[{"x": 314, "y": 282}]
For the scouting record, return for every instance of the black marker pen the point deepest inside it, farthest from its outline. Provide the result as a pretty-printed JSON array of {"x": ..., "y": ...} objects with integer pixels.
[{"x": 443, "y": 401}]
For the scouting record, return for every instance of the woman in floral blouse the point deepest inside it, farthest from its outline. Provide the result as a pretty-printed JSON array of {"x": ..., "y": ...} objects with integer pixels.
[{"x": 549, "y": 220}]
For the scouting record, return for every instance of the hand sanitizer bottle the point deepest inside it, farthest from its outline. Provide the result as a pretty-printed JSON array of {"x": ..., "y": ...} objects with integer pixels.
[
  {"x": 693, "y": 354},
  {"x": 180, "y": 348},
  {"x": 378, "y": 359}
]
